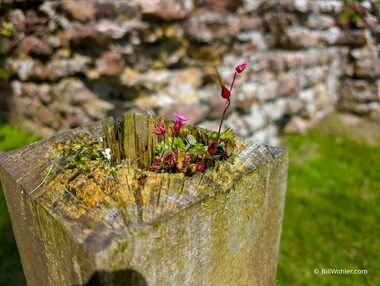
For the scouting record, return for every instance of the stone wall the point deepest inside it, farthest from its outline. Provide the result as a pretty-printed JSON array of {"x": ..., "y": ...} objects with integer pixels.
[{"x": 67, "y": 63}]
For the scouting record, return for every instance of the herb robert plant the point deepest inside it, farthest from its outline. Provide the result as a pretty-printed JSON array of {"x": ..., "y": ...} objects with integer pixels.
[{"x": 178, "y": 154}]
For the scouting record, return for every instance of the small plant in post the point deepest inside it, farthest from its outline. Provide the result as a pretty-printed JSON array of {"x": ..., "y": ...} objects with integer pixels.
[
  {"x": 183, "y": 153},
  {"x": 114, "y": 193}
]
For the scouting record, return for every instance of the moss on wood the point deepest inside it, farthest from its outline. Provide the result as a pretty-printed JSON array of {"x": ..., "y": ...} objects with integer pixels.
[{"x": 67, "y": 197}]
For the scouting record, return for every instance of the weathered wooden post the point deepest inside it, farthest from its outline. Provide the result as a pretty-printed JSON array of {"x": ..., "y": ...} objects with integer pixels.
[{"x": 83, "y": 219}]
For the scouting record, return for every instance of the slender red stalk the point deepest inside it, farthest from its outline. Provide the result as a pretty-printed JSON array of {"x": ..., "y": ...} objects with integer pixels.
[
  {"x": 233, "y": 81},
  {"x": 228, "y": 102}
]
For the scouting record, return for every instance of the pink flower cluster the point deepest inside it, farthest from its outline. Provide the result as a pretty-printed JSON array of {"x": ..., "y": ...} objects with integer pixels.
[{"x": 187, "y": 155}]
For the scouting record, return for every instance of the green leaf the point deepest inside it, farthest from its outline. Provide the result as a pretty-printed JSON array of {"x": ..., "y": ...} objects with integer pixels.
[
  {"x": 227, "y": 134},
  {"x": 214, "y": 136},
  {"x": 230, "y": 149},
  {"x": 180, "y": 159},
  {"x": 190, "y": 138},
  {"x": 198, "y": 149},
  {"x": 179, "y": 143},
  {"x": 158, "y": 148}
]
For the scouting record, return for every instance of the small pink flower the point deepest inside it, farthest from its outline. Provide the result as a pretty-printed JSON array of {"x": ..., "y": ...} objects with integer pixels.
[
  {"x": 241, "y": 68},
  {"x": 177, "y": 125},
  {"x": 181, "y": 118},
  {"x": 160, "y": 128}
]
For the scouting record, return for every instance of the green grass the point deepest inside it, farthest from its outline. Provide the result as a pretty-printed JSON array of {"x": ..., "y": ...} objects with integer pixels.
[
  {"x": 11, "y": 137},
  {"x": 10, "y": 266},
  {"x": 332, "y": 211}
]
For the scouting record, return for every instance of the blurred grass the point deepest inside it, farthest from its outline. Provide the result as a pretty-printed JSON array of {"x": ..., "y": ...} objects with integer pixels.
[
  {"x": 331, "y": 214},
  {"x": 11, "y": 137},
  {"x": 332, "y": 208},
  {"x": 10, "y": 265}
]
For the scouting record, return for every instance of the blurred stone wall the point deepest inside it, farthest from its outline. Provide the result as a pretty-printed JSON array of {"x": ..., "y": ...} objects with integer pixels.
[{"x": 66, "y": 63}]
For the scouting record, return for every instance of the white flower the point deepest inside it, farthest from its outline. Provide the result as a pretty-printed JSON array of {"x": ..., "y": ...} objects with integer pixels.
[{"x": 107, "y": 153}]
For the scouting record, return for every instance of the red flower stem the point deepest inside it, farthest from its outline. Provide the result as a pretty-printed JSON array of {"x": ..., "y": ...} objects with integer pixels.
[
  {"x": 233, "y": 81},
  {"x": 225, "y": 109},
  {"x": 228, "y": 102}
]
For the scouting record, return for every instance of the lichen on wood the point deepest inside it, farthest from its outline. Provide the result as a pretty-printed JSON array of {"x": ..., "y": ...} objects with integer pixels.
[
  {"x": 120, "y": 216},
  {"x": 121, "y": 191}
]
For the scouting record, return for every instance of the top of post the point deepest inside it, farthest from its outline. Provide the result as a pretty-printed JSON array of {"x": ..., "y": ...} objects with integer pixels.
[{"x": 87, "y": 187}]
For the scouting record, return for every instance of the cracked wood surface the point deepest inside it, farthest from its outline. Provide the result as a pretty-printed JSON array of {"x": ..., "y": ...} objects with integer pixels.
[{"x": 164, "y": 226}]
